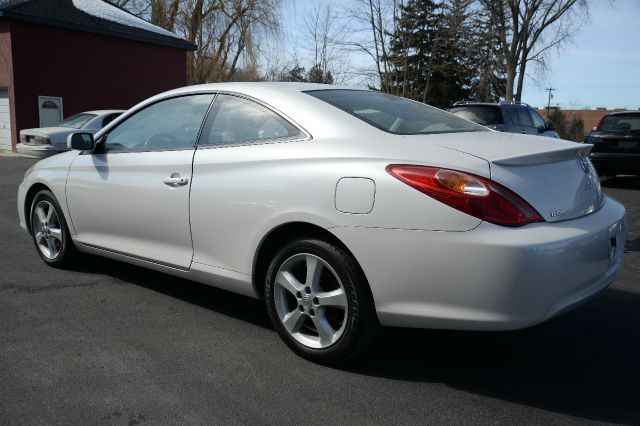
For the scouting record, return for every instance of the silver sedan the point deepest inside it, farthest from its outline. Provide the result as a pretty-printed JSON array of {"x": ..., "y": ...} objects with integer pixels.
[
  {"x": 42, "y": 142},
  {"x": 343, "y": 209}
]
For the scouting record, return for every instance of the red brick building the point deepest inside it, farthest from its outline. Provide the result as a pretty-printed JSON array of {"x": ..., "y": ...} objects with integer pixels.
[{"x": 61, "y": 57}]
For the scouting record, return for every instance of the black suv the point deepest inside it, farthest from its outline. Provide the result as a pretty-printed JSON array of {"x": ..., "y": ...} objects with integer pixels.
[
  {"x": 513, "y": 117},
  {"x": 616, "y": 144}
]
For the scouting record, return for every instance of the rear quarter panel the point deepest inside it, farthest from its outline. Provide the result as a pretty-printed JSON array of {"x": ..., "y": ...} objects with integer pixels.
[{"x": 240, "y": 193}]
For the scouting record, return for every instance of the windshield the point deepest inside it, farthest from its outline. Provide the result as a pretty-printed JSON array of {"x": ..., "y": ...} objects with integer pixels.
[
  {"x": 622, "y": 123},
  {"x": 394, "y": 114},
  {"x": 76, "y": 121},
  {"x": 482, "y": 114}
]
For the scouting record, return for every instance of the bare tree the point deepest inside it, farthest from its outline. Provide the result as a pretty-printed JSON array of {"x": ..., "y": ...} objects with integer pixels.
[
  {"x": 528, "y": 30},
  {"x": 323, "y": 37},
  {"x": 373, "y": 23},
  {"x": 225, "y": 32}
]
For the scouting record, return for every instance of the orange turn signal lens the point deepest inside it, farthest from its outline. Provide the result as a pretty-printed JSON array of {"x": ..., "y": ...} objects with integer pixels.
[{"x": 461, "y": 183}]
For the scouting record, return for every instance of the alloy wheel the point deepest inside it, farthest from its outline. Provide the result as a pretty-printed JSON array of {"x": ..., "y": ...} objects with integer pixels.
[
  {"x": 47, "y": 229},
  {"x": 311, "y": 301}
]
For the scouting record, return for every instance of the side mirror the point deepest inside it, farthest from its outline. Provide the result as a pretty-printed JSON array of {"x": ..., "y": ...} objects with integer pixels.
[
  {"x": 550, "y": 126},
  {"x": 81, "y": 141}
]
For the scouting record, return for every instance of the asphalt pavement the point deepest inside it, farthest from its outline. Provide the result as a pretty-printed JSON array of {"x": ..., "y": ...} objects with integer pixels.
[{"x": 117, "y": 344}]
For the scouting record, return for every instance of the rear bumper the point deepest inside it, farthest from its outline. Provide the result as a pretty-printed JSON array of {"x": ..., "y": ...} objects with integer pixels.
[
  {"x": 606, "y": 162},
  {"x": 38, "y": 151},
  {"x": 490, "y": 278}
]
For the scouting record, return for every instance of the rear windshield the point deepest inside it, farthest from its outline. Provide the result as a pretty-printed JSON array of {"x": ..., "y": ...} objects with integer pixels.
[
  {"x": 487, "y": 115},
  {"x": 620, "y": 123},
  {"x": 394, "y": 114},
  {"x": 76, "y": 121}
]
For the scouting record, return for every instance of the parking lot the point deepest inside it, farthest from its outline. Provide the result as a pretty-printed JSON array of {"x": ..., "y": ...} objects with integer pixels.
[{"x": 114, "y": 343}]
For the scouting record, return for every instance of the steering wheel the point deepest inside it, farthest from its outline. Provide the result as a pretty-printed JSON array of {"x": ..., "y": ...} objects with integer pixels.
[{"x": 160, "y": 140}]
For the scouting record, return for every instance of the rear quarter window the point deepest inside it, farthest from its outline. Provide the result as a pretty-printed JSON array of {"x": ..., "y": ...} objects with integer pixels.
[
  {"x": 486, "y": 115},
  {"x": 394, "y": 114},
  {"x": 620, "y": 123}
]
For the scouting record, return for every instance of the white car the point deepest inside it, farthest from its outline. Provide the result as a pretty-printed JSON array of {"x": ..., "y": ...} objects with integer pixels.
[
  {"x": 344, "y": 209},
  {"x": 45, "y": 141}
]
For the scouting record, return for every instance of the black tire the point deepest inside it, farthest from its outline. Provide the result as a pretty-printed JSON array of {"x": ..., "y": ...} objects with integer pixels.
[
  {"x": 360, "y": 323},
  {"x": 67, "y": 253}
]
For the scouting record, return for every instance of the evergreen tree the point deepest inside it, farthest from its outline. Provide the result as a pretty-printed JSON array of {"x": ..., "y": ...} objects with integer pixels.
[
  {"x": 486, "y": 66},
  {"x": 297, "y": 73},
  {"x": 411, "y": 48},
  {"x": 316, "y": 75}
]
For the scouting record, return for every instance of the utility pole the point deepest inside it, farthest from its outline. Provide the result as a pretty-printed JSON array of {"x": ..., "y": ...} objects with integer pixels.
[{"x": 549, "y": 89}]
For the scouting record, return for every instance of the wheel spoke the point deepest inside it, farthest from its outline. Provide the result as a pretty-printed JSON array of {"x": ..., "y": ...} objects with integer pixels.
[
  {"x": 39, "y": 237},
  {"x": 41, "y": 214},
  {"x": 51, "y": 242},
  {"x": 287, "y": 281},
  {"x": 293, "y": 321},
  {"x": 324, "y": 329},
  {"x": 336, "y": 298},
  {"x": 49, "y": 212},
  {"x": 314, "y": 269},
  {"x": 56, "y": 233}
]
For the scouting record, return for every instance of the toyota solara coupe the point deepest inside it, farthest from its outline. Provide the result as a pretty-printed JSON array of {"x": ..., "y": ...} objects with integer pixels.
[{"x": 343, "y": 209}]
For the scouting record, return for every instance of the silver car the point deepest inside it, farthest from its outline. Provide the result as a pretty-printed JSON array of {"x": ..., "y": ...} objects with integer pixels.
[
  {"x": 45, "y": 141},
  {"x": 343, "y": 209}
]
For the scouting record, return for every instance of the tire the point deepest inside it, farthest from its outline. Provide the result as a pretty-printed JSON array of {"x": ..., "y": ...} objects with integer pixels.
[
  {"x": 331, "y": 320},
  {"x": 49, "y": 231}
]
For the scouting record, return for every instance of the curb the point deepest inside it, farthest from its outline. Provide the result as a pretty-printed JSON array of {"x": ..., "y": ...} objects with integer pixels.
[{"x": 5, "y": 153}]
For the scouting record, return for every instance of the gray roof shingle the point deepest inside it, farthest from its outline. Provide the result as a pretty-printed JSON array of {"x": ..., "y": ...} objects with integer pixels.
[{"x": 63, "y": 13}]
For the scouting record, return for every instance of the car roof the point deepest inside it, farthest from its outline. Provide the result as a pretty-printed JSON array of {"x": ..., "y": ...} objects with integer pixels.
[
  {"x": 477, "y": 104},
  {"x": 263, "y": 87},
  {"x": 623, "y": 113},
  {"x": 103, "y": 111}
]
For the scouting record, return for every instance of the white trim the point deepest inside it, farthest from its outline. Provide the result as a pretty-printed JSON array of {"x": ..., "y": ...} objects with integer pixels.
[{"x": 42, "y": 98}]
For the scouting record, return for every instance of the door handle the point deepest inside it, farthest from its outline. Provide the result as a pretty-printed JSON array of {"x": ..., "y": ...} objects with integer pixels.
[
  {"x": 523, "y": 131},
  {"x": 176, "y": 180}
]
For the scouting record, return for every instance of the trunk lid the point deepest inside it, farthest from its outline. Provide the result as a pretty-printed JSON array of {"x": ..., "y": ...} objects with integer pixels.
[
  {"x": 615, "y": 143},
  {"x": 556, "y": 177}
]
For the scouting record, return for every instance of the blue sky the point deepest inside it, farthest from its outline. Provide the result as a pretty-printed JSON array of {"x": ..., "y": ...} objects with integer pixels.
[{"x": 600, "y": 67}]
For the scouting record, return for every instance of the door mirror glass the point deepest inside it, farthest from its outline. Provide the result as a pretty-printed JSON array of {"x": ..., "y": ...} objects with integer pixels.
[{"x": 80, "y": 141}]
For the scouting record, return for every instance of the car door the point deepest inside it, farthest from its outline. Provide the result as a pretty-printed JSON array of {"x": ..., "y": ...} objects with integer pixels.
[
  {"x": 231, "y": 191},
  {"x": 131, "y": 194}
]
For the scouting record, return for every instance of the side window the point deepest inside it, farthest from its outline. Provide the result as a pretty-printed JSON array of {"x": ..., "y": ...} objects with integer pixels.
[
  {"x": 513, "y": 116},
  {"x": 166, "y": 125},
  {"x": 523, "y": 117},
  {"x": 235, "y": 120},
  {"x": 109, "y": 118},
  {"x": 538, "y": 121}
]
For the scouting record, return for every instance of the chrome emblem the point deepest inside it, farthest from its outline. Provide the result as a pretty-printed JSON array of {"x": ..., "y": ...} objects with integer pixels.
[
  {"x": 306, "y": 301},
  {"x": 583, "y": 162}
]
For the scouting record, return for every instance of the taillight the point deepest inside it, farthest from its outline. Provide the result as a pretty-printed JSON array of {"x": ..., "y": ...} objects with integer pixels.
[
  {"x": 597, "y": 124},
  {"x": 474, "y": 195}
]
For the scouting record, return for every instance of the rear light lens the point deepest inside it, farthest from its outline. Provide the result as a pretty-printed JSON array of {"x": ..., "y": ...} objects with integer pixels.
[
  {"x": 597, "y": 124},
  {"x": 474, "y": 195}
]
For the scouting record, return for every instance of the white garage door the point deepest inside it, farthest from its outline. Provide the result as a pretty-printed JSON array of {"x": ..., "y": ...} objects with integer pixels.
[{"x": 5, "y": 121}]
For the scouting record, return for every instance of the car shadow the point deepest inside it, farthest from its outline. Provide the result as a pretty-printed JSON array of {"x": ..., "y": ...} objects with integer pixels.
[
  {"x": 622, "y": 182},
  {"x": 218, "y": 300},
  {"x": 585, "y": 363}
]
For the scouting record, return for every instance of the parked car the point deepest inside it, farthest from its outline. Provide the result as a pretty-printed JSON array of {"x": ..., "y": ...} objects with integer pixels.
[
  {"x": 44, "y": 141},
  {"x": 343, "y": 209},
  {"x": 616, "y": 143},
  {"x": 505, "y": 117}
]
